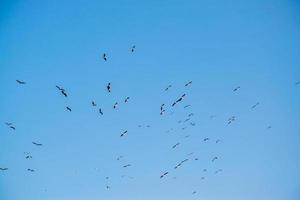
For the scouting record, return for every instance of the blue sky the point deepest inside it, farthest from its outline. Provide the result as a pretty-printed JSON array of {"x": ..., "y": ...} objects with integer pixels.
[{"x": 219, "y": 45}]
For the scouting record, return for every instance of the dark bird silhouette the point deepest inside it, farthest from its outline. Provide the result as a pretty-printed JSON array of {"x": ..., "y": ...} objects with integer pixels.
[
  {"x": 3, "y": 169},
  {"x": 12, "y": 127},
  {"x": 192, "y": 123},
  {"x": 189, "y": 83},
  {"x": 21, "y": 82},
  {"x": 167, "y": 88},
  {"x": 217, "y": 141},
  {"x": 59, "y": 88},
  {"x": 128, "y": 165},
  {"x": 255, "y": 105},
  {"x": 236, "y": 89},
  {"x": 194, "y": 192},
  {"x": 8, "y": 123},
  {"x": 215, "y": 158},
  {"x": 64, "y": 93},
  {"x": 206, "y": 139},
  {"x": 31, "y": 170},
  {"x": 108, "y": 87},
  {"x": 126, "y": 99},
  {"x": 104, "y": 57},
  {"x": 123, "y": 133},
  {"x": 187, "y": 119},
  {"x": 132, "y": 48},
  {"x": 191, "y": 114},
  {"x": 68, "y": 108},
  {"x": 37, "y": 144},
  {"x": 174, "y": 146},
  {"x": 231, "y": 119},
  {"x": 179, "y": 99},
  {"x": 164, "y": 174},
  {"x": 187, "y": 106},
  {"x": 107, "y": 187},
  {"x": 28, "y": 157},
  {"x": 100, "y": 111},
  {"x": 178, "y": 165},
  {"x": 217, "y": 171},
  {"x": 115, "y": 105},
  {"x": 93, "y": 103}
]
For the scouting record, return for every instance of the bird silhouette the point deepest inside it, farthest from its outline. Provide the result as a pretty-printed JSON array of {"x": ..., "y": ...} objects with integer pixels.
[
  {"x": 188, "y": 83},
  {"x": 31, "y": 170},
  {"x": 236, "y": 89},
  {"x": 93, "y": 103},
  {"x": 214, "y": 159},
  {"x": 164, "y": 174},
  {"x": 167, "y": 88},
  {"x": 108, "y": 87},
  {"x": 254, "y": 106},
  {"x": 37, "y": 144},
  {"x": 104, "y": 57},
  {"x": 175, "y": 145},
  {"x": 100, "y": 111},
  {"x": 128, "y": 165},
  {"x": 68, "y": 108},
  {"x": 126, "y": 99},
  {"x": 123, "y": 133},
  {"x": 3, "y": 169},
  {"x": 21, "y": 82},
  {"x": 115, "y": 105},
  {"x": 132, "y": 48}
]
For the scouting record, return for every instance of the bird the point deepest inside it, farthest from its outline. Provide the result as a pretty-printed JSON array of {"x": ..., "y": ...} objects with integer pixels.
[
  {"x": 104, "y": 57},
  {"x": 188, "y": 83},
  {"x": 217, "y": 141},
  {"x": 59, "y": 88},
  {"x": 107, "y": 187},
  {"x": 37, "y": 144},
  {"x": 192, "y": 123},
  {"x": 31, "y": 170},
  {"x": 3, "y": 169},
  {"x": 93, "y": 103},
  {"x": 194, "y": 192},
  {"x": 206, "y": 139},
  {"x": 126, "y": 99},
  {"x": 8, "y": 123},
  {"x": 217, "y": 171},
  {"x": 68, "y": 108},
  {"x": 215, "y": 158},
  {"x": 236, "y": 89},
  {"x": 64, "y": 93},
  {"x": 162, "y": 107},
  {"x": 187, "y": 119},
  {"x": 21, "y": 82},
  {"x": 128, "y": 165},
  {"x": 164, "y": 174},
  {"x": 187, "y": 106},
  {"x": 132, "y": 48},
  {"x": 28, "y": 157},
  {"x": 100, "y": 111},
  {"x": 297, "y": 83},
  {"x": 191, "y": 114},
  {"x": 178, "y": 165},
  {"x": 231, "y": 119},
  {"x": 174, "y": 146},
  {"x": 167, "y": 88},
  {"x": 255, "y": 105},
  {"x": 115, "y": 105},
  {"x": 179, "y": 99},
  {"x": 123, "y": 133},
  {"x": 108, "y": 87},
  {"x": 12, "y": 127}
]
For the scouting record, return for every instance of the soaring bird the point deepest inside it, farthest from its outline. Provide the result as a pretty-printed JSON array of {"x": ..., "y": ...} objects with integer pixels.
[
  {"x": 93, "y": 103},
  {"x": 175, "y": 145},
  {"x": 68, "y": 108},
  {"x": 104, "y": 57},
  {"x": 128, "y": 165},
  {"x": 132, "y": 48},
  {"x": 191, "y": 114},
  {"x": 179, "y": 99},
  {"x": 8, "y": 123},
  {"x": 108, "y": 87},
  {"x": 64, "y": 93},
  {"x": 31, "y": 170},
  {"x": 194, "y": 192},
  {"x": 37, "y": 144},
  {"x": 59, "y": 88},
  {"x": 164, "y": 174},
  {"x": 231, "y": 119},
  {"x": 206, "y": 139},
  {"x": 187, "y": 106},
  {"x": 126, "y": 99},
  {"x": 115, "y": 105},
  {"x": 215, "y": 158},
  {"x": 255, "y": 105},
  {"x": 3, "y": 169},
  {"x": 217, "y": 141},
  {"x": 189, "y": 83},
  {"x": 167, "y": 88},
  {"x": 123, "y": 133},
  {"x": 12, "y": 127},
  {"x": 21, "y": 82},
  {"x": 100, "y": 111},
  {"x": 236, "y": 89}
]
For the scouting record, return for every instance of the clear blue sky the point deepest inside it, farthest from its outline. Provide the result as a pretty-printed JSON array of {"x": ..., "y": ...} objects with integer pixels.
[{"x": 219, "y": 45}]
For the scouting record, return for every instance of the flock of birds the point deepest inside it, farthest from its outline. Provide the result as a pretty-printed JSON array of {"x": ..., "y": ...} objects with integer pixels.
[{"x": 162, "y": 111}]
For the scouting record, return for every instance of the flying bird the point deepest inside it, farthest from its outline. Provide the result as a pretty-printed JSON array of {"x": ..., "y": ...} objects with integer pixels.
[
  {"x": 187, "y": 106},
  {"x": 167, "y": 88},
  {"x": 215, "y": 158},
  {"x": 12, "y": 127},
  {"x": 31, "y": 170},
  {"x": 206, "y": 139},
  {"x": 255, "y": 105},
  {"x": 68, "y": 108},
  {"x": 21, "y": 82},
  {"x": 128, "y": 165},
  {"x": 115, "y": 105},
  {"x": 104, "y": 57},
  {"x": 100, "y": 111},
  {"x": 8, "y": 123},
  {"x": 123, "y": 133},
  {"x": 231, "y": 119},
  {"x": 126, "y": 99},
  {"x": 3, "y": 169},
  {"x": 179, "y": 99},
  {"x": 217, "y": 141},
  {"x": 132, "y": 48},
  {"x": 189, "y": 83},
  {"x": 59, "y": 88},
  {"x": 164, "y": 174},
  {"x": 37, "y": 144},
  {"x": 108, "y": 87},
  {"x": 64, "y": 93},
  {"x": 93, "y": 103},
  {"x": 174, "y": 146},
  {"x": 236, "y": 89}
]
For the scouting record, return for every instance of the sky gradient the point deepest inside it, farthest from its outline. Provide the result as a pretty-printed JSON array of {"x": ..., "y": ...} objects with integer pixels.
[{"x": 219, "y": 45}]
